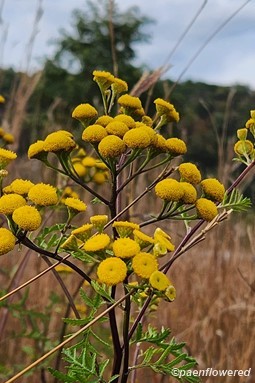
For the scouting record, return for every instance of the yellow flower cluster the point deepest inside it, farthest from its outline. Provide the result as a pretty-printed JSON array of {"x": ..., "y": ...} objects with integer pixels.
[
  {"x": 244, "y": 148},
  {"x": 60, "y": 141}
]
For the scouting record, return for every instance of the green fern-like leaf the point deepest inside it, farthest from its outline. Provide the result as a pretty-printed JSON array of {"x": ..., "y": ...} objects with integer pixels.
[{"x": 236, "y": 201}]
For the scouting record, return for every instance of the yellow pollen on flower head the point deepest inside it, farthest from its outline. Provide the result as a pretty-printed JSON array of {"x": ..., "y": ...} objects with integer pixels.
[
  {"x": 190, "y": 193},
  {"x": 99, "y": 177},
  {"x": 83, "y": 232},
  {"x": 84, "y": 113},
  {"x": 169, "y": 190},
  {"x": 75, "y": 204},
  {"x": 20, "y": 186},
  {"x": 111, "y": 147},
  {"x": 43, "y": 194},
  {"x": 189, "y": 173},
  {"x": 98, "y": 221},
  {"x": 176, "y": 146},
  {"x": 206, "y": 209},
  {"x": 94, "y": 133},
  {"x": 242, "y": 133},
  {"x": 119, "y": 86},
  {"x": 117, "y": 128},
  {"x": 160, "y": 144},
  {"x": 103, "y": 78},
  {"x": 128, "y": 120},
  {"x": 104, "y": 120},
  {"x": 163, "y": 106},
  {"x": 243, "y": 147},
  {"x": 147, "y": 121},
  {"x": 159, "y": 281},
  {"x": 125, "y": 248},
  {"x": 61, "y": 140},
  {"x": 112, "y": 271},
  {"x": 144, "y": 264},
  {"x": 125, "y": 228},
  {"x": 6, "y": 156},
  {"x": 10, "y": 202},
  {"x": 137, "y": 138},
  {"x": 27, "y": 218},
  {"x": 151, "y": 132},
  {"x": 7, "y": 241},
  {"x": 130, "y": 102},
  {"x": 142, "y": 239},
  {"x": 36, "y": 150},
  {"x": 213, "y": 189},
  {"x": 71, "y": 243},
  {"x": 97, "y": 243}
]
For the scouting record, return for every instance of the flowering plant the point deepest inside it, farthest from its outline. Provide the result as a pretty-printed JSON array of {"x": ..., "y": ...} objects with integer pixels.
[{"x": 126, "y": 261}]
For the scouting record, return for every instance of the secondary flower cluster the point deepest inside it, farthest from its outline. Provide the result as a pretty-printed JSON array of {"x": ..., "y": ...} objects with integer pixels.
[
  {"x": 184, "y": 192},
  {"x": 244, "y": 148},
  {"x": 132, "y": 252}
]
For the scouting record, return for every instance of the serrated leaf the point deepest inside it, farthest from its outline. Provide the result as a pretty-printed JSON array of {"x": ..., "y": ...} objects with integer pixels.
[
  {"x": 63, "y": 377},
  {"x": 101, "y": 291},
  {"x": 102, "y": 366},
  {"x": 76, "y": 322}
]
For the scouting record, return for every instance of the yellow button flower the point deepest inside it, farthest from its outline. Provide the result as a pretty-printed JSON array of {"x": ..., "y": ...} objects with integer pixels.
[
  {"x": 61, "y": 140},
  {"x": 176, "y": 146},
  {"x": 36, "y": 150},
  {"x": 117, "y": 128},
  {"x": 20, "y": 186},
  {"x": 112, "y": 271},
  {"x": 79, "y": 169},
  {"x": 119, "y": 86},
  {"x": 75, "y": 204},
  {"x": 103, "y": 78},
  {"x": 99, "y": 177},
  {"x": 83, "y": 232},
  {"x": 111, "y": 147},
  {"x": 170, "y": 293},
  {"x": 169, "y": 190},
  {"x": 213, "y": 189},
  {"x": 137, "y": 138},
  {"x": 125, "y": 228},
  {"x": 128, "y": 120},
  {"x": 10, "y": 202},
  {"x": 130, "y": 102},
  {"x": 2, "y": 99},
  {"x": 6, "y": 156},
  {"x": 8, "y": 138},
  {"x": 97, "y": 243},
  {"x": 142, "y": 239},
  {"x": 104, "y": 120},
  {"x": 190, "y": 173},
  {"x": 243, "y": 147},
  {"x": 206, "y": 209},
  {"x": 144, "y": 264},
  {"x": 27, "y": 218},
  {"x": 125, "y": 248},
  {"x": 160, "y": 144},
  {"x": 242, "y": 133},
  {"x": 98, "y": 221},
  {"x": 190, "y": 193},
  {"x": 163, "y": 106},
  {"x": 7, "y": 241},
  {"x": 159, "y": 281},
  {"x": 43, "y": 194},
  {"x": 94, "y": 133},
  {"x": 84, "y": 113}
]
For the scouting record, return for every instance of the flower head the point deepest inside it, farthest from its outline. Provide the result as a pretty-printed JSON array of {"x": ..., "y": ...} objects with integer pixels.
[
  {"x": 75, "y": 204},
  {"x": 79, "y": 169},
  {"x": 144, "y": 264},
  {"x": 27, "y": 218},
  {"x": 20, "y": 186},
  {"x": 137, "y": 138},
  {"x": 169, "y": 190},
  {"x": 159, "y": 281},
  {"x": 6, "y": 156},
  {"x": 43, "y": 194},
  {"x": 83, "y": 233},
  {"x": 2, "y": 99},
  {"x": 7, "y": 241},
  {"x": 163, "y": 106},
  {"x": 213, "y": 189},
  {"x": 8, "y": 138},
  {"x": 119, "y": 86},
  {"x": 125, "y": 228},
  {"x": 70, "y": 244},
  {"x": 112, "y": 271},
  {"x": 61, "y": 140},
  {"x": 163, "y": 243},
  {"x": 103, "y": 78},
  {"x": 170, "y": 293},
  {"x": 243, "y": 147},
  {"x": 111, "y": 147},
  {"x": 160, "y": 144},
  {"x": 130, "y": 102},
  {"x": 125, "y": 248},
  {"x": 97, "y": 243},
  {"x": 190, "y": 173},
  {"x": 94, "y": 133},
  {"x": 104, "y": 120},
  {"x": 98, "y": 221},
  {"x": 206, "y": 209},
  {"x": 10, "y": 202},
  {"x": 242, "y": 133},
  {"x": 117, "y": 128},
  {"x": 128, "y": 120},
  {"x": 190, "y": 193},
  {"x": 36, "y": 150},
  {"x": 176, "y": 146},
  {"x": 84, "y": 113},
  {"x": 142, "y": 239},
  {"x": 63, "y": 269}
]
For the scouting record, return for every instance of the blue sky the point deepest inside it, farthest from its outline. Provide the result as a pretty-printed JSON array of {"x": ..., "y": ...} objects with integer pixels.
[{"x": 228, "y": 59}]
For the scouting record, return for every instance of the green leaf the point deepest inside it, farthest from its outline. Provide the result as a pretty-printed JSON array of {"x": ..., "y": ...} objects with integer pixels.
[
  {"x": 113, "y": 378},
  {"x": 101, "y": 291},
  {"x": 236, "y": 201},
  {"x": 63, "y": 377}
]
